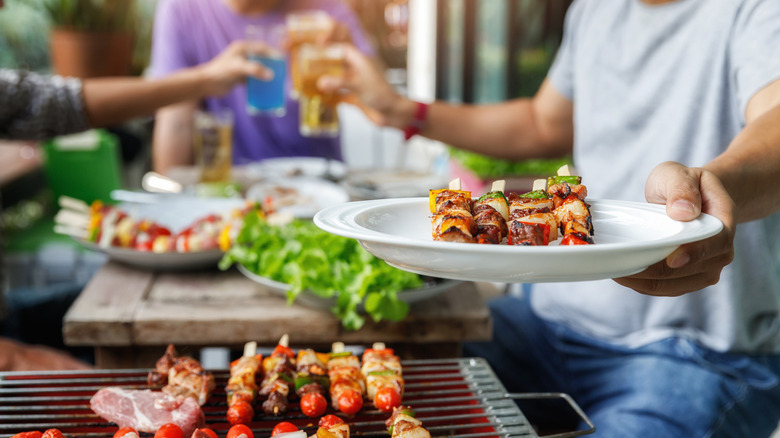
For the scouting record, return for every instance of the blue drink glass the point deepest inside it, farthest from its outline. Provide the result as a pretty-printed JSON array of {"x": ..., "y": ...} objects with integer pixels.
[{"x": 267, "y": 96}]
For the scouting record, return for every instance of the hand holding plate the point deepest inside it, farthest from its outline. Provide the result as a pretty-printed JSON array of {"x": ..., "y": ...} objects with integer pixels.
[{"x": 688, "y": 192}]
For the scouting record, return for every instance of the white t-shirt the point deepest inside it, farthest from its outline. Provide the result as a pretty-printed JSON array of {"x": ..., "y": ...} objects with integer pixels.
[{"x": 657, "y": 83}]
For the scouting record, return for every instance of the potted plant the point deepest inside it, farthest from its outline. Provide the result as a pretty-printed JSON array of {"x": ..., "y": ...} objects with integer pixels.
[{"x": 91, "y": 37}]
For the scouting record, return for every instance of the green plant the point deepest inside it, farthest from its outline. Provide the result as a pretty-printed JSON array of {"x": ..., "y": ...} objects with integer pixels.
[{"x": 92, "y": 15}]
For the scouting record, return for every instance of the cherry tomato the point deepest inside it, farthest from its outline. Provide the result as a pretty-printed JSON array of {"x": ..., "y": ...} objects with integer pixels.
[
  {"x": 313, "y": 404},
  {"x": 571, "y": 239},
  {"x": 169, "y": 430},
  {"x": 284, "y": 427},
  {"x": 125, "y": 431},
  {"x": 52, "y": 433},
  {"x": 281, "y": 350},
  {"x": 30, "y": 434},
  {"x": 350, "y": 402},
  {"x": 329, "y": 420},
  {"x": 204, "y": 432},
  {"x": 386, "y": 399},
  {"x": 240, "y": 429},
  {"x": 240, "y": 413}
]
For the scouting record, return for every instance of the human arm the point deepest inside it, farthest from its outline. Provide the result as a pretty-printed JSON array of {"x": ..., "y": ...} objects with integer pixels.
[
  {"x": 541, "y": 126},
  {"x": 735, "y": 187},
  {"x": 112, "y": 100},
  {"x": 172, "y": 138},
  {"x": 40, "y": 107},
  {"x": 15, "y": 356}
]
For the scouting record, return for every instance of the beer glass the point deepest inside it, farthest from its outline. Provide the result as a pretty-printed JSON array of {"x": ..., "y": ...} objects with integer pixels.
[
  {"x": 303, "y": 27},
  {"x": 213, "y": 145},
  {"x": 318, "y": 110},
  {"x": 267, "y": 96}
]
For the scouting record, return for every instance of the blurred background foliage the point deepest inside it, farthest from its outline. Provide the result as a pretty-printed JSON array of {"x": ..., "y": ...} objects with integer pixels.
[{"x": 25, "y": 25}]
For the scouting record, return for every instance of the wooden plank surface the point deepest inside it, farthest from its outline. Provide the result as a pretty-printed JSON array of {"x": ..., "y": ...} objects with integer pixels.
[
  {"x": 104, "y": 312},
  {"x": 129, "y": 308},
  {"x": 227, "y": 308}
]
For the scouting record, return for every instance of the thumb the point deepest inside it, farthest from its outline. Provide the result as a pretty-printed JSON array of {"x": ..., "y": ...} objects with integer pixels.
[{"x": 678, "y": 187}]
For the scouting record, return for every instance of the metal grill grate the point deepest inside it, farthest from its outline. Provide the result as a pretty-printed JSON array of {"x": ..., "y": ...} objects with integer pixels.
[{"x": 459, "y": 398}]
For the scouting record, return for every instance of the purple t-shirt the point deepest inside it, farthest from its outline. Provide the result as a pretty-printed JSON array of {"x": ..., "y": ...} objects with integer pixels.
[{"x": 191, "y": 32}]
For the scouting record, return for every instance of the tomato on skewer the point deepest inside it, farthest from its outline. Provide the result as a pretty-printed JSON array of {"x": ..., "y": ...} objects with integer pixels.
[{"x": 169, "y": 430}]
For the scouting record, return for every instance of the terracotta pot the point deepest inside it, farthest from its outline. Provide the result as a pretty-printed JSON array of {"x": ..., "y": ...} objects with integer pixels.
[{"x": 90, "y": 54}]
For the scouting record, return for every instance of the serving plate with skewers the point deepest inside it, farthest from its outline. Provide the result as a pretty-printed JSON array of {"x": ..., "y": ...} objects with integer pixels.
[
  {"x": 629, "y": 237},
  {"x": 176, "y": 213}
]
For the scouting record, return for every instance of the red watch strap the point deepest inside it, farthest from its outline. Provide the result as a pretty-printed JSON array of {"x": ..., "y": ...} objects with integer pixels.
[{"x": 418, "y": 121}]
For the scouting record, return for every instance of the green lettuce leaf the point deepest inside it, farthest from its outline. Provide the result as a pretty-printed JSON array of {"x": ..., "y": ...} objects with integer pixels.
[{"x": 310, "y": 259}]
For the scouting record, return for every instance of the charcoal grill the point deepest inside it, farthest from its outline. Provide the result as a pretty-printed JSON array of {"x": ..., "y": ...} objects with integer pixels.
[{"x": 458, "y": 398}]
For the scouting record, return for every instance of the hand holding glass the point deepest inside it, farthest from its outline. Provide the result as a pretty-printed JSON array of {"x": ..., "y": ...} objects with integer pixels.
[{"x": 318, "y": 109}]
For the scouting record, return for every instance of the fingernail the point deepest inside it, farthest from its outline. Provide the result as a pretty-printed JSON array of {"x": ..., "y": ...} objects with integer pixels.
[
  {"x": 684, "y": 207},
  {"x": 679, "y": 260}
]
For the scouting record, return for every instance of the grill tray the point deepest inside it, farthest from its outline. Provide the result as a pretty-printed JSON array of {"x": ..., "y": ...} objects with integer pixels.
[{"x": 459, "y": 398}]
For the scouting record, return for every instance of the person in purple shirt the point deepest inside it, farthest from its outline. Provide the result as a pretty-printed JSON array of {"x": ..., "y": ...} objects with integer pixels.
[{"x": 189, "y": 32}]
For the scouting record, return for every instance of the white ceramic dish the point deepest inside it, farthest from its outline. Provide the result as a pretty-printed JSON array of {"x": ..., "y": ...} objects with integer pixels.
[
  {"x": 311, "y": 300},
  {"x": 167, "y": 261},
  {"x": 629, "y": 237},
  {"x": 314, "y": 167},
  {"x": 300, "y": 196},
  {"x": 176, "y": 213}
]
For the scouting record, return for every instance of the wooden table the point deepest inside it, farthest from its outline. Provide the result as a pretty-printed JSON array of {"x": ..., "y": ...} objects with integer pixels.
[{"x": 130, "y": 315}]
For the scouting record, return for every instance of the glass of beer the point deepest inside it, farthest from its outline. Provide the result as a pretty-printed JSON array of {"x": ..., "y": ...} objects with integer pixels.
[
  {"x": 303, "y": 27},
  {"x": 318, "y": 110},
  {"x": 213, "y": 145},
  {"x": 267, "y": 96}
]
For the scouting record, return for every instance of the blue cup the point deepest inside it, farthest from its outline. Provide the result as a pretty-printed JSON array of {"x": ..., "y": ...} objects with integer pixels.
[{"x": 267, "y": 96}]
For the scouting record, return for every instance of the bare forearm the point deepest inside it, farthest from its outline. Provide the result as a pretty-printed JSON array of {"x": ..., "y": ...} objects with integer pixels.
[
  {"x": 508, "y": 130},
  {"x": 750, "y": 166},
  {"x": 172, "y": 142},
  {"x": 517, "y": 129},
  {"x": 112, "y": 100}
]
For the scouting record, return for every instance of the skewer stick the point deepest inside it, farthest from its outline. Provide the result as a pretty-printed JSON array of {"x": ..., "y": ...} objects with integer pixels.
[
  {"x": 564, "y": 170},
  {"x": 80, "y": 233},
  {"x": 72, "y": 218},
  {"x": 285, "y": 340},
  {"x": 455, "y": 184},
  {"x": 73, "y": 204},
  {"x": 378, "y": 346},
  {"x": 540, "y": 184},
  {"x": 250, "y": 349},
  {"x": 498, "y": 185},
  {"x": 337, "y": 347}
]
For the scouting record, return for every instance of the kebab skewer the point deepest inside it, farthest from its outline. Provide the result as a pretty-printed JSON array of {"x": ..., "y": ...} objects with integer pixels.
[
  {"x": 571, "y": 211},
  {"x": 491, "y": 212},
  {"x": 311, "y": 381},
  {"x": 382, "y": 371},
  {"x": 279, "y": 378},
  {"x": 347, "y": 386},
  {"x": 241, "y": 388},
  {"x": 531, "y": 220},
  {"x": 452, "y": 220},
  {"x": 402, "y": 424},
  {"x": 182, "y": 376}
]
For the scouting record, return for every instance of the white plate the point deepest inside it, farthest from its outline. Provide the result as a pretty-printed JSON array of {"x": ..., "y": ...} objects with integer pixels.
[
  {"x": 301, "y": 196},
  {"x": 629, "y": 237},
  {"x": 295, "y": 166},
  {"x": 175, "y": 213},
  {"x": 391, "y": 183},
  {"x": 312, "y": 300},
  {"x": 166, "y": 261}
]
